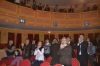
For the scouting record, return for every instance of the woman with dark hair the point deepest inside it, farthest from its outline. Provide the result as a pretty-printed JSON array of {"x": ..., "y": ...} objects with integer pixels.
[
  {"x": 17, "y": 58},
  {"x": 27, "y": 49},
  {"x": 10, "y": 49},
  {"x": 22, "y": 48},
  {"x": 54, "y": 51},
  {"x": 39, "y": 54},
  {"x": 33, "y": 47}
]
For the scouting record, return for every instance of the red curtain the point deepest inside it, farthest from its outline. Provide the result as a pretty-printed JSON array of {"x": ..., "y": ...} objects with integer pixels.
[
  {"x": 11, "y": 36},
  {"x": 18, "y": 40},
  {"x": 30, "y": 37}
]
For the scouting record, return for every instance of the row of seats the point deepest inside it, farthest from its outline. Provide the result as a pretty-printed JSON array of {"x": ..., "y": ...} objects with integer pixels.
[{"x": 27, "y": 62}]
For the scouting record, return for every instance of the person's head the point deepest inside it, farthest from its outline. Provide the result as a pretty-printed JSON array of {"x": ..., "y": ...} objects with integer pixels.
[
  {"x": 54, "y": 41},
  {"x": 39, "y": 45},
  {"x": 81, "y": 38},
  {"x": 64, "y": 40},
  {"x": 10, "y": 42},
  {"x": 17, "y": 53},
  {"x": 27, "y": 41},
  {"x": 88, "y": 40},
  {"x": 68, "y": 39},
  {"x": 22, "y": 44},
  {"x": 47, "y": 41},
  {"x": 33, "y": 42}
]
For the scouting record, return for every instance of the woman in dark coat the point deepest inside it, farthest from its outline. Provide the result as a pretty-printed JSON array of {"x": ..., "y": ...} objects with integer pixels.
[
  {"x": 54, "y": 52},
  {"x": 27, "y": 50},
  {"x": 10, "y": 49},
  {"x": 65, "y": 52}
]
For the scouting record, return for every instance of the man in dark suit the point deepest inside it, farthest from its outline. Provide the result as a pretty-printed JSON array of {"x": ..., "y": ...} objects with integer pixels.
[{"x": 82, "y": 54}]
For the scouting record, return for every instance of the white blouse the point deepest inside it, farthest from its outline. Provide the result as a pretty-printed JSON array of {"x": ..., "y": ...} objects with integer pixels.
[{"x": 39, "y": 55}]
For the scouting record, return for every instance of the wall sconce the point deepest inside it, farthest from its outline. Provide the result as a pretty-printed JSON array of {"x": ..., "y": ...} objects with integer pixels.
[{"x": 22, "y": 20}]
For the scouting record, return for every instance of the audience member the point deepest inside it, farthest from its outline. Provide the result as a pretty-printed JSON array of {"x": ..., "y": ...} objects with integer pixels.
[
  {"x": 47, "y": 8},
  {"x": 55, "y": 46},
  {"x": 40, "y": 6},
  {"x": 56, "y": 8},
  {"x": 91, "y": 50},
  {"x": 27, "y": 50},
  {"x": 33, "y": 47},
  {"x": 22, "y": 48},
  {"x": 10, "y": 48},
  {"x": 65, "y": 52},
  {"x": 47, "y": 48},
  {"x": 82, "y": 54},
  {"x": 18, "y": 58},
  {"x": 94, "y": 7},
  {"x": 39, "y": 54}
]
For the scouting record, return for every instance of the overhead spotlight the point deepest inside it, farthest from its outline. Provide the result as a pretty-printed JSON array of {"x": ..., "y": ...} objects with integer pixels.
[{"x": 22, "y": 20}]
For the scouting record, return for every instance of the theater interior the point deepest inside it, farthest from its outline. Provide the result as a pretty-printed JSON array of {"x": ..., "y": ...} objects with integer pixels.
[{"x": 22, "y": 19}]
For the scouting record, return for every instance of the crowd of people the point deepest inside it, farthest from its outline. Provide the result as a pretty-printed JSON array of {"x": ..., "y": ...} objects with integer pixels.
[
  {"x": 45, "y": 7},
  {"x": 62, "y": 51}
]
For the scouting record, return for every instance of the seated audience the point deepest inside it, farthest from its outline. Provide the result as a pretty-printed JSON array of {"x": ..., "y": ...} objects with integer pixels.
[
  {"x": 34, "y": 5},
  {"x": 56, "y": 8},
  {"x": 40, "y": 6},
  {"x": 47, "y": 8},
  {"x": 95, "y": 7},
  {"x": 17, "y": 1},
  {"x": 70, "y": 10}
]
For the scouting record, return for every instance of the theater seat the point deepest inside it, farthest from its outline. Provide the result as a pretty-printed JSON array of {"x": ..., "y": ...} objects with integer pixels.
[
  {"x": 25, "y": 62},
  {"x": 75, "y": 62},
  {"x": 8, "y": 61},
  {"x": 57, "y": 65},
  {"x": 32, "y": 58},
  {"x": 49, "y": 59},
  {"x": 45, "y": 64},
  {"x": 3, "y": 64}
]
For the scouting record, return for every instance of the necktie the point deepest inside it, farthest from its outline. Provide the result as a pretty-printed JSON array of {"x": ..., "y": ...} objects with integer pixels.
[{"x": 80, "y": 50}]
